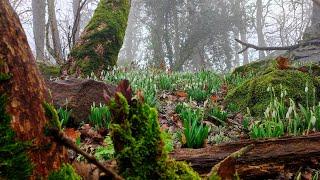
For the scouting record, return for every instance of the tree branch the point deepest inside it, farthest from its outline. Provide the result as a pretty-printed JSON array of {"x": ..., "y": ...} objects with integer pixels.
[
  {"x": 60, "y": 138},
  {"x": 252, "y": 46},
  {"x": 76, "y": 23},
  {"x": 247, "y": 46}
]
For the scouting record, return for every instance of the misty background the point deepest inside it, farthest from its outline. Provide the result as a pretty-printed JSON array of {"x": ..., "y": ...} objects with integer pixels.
[{"x": 179, "y": 34}]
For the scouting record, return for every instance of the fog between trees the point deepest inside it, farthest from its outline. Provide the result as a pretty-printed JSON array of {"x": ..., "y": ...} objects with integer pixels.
[{"x": 181, "y": 34}]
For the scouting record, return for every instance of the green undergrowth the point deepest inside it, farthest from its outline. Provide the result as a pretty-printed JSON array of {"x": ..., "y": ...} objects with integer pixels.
[
  {"x": 195, "y": 132},
  {"x": 66, "y": 172},
  {"x": 14, "y": 162},
  {"x": 139, "y": 146},
  {"x": 281, "y": 119},
  {"x": 253, "y": 93},
  {"x": 49, "y": 71},
  {"x": 99, "y": 47},
  {"x": 199, "y": 86}
]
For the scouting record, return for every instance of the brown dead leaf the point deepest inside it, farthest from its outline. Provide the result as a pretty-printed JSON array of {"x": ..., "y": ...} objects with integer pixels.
[
  {"x": 140, "y": 96},
  {"x": 227, "y": 168},
  {"x": 72, "y": 134},
  {"x": 214, "y": 98},
  {"x": 181, "y": 94},
  {"x": 282, "y": 63},
  {"x": 303, "y": 69}
]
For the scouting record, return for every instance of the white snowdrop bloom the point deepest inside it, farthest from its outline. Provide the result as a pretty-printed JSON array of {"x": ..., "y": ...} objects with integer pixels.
[
  {"x": 313, "y": 120},
  {"x": 306, "y": 89},
  {"x": 282, "y": 94},
  {"x": 274, "y": 114},
  {"x": 267, "y": 110},
  {"x": 290, "y": 110},
  {"x": 285, "y": 93}
]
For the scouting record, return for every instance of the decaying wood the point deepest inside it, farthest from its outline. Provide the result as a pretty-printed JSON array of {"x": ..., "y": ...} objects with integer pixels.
[
  {"x": 226, "y": 168},
  {"x": 268, "y": 158},
  {"x": 26, "y": 92},
  {"x": 61, "y": 139},
  {"x": 289, "y": 48}
]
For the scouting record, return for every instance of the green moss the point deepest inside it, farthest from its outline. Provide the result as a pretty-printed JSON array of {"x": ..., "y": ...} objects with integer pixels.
[
  {"x": 52, "y": 115},
  {"x": 214, "y": 176},
  {"x": 49, "y": 71},
  {"x": 66, "y": 172},
  {"x": 103, "y": 38},
  {"x": 139, "y": 146},
  {"x": 14, "y": 162},
  {"x": 253, "y": 93},
  {"x": 4, "y": 76},
  {"x": 255, "y": 67}
]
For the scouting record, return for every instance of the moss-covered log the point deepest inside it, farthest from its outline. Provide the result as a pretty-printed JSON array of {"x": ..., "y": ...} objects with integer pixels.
[
  {"x": 101, "y": 40},
  {"x": 25, "y": 90}
]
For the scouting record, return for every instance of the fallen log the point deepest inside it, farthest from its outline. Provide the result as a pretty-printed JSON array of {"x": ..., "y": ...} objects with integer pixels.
[{"x": 271, "y": 158}]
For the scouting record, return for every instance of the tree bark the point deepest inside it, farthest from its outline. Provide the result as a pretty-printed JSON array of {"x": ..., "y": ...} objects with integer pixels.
[
  {"x": 268, "y": 159},
  {"x": 313, "y": 31},
  {"x": 259, "y": 26},
  {"x": 55, "y": 32},
  {"x": 98, "y": 48},
  {"x": 77, "y": 18},
  {"x": 128, "y": 52},
  {"x": 39, "y": 22},
  {"x": 26, "y": 92}
]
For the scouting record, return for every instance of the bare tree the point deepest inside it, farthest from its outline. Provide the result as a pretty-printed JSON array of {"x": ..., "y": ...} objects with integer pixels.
[
  {"x": 76, "y": 16},
  {"x": 259, "y": 27},
  {"x": 39, "y": 21},
  {"x": 55, "y": 32}
]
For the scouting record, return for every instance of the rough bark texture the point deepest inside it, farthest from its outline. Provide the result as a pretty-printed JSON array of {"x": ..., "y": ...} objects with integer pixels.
[
  {"x": 26, "y": 92},
  {"x": 268, "y": 159},
  {"x": 101, "y": 41}
]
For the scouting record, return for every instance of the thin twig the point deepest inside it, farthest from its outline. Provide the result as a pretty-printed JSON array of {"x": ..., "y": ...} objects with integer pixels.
[{"x": 60, "y": 138}]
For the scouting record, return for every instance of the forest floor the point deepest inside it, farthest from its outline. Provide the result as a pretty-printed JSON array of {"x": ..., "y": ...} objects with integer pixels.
[{"x": 195, "y": 110}]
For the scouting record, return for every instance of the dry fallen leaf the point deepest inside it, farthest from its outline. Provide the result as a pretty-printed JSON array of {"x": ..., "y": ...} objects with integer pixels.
[
  {"x": 214, "y": 98},
  {"x": 282, "y": 63},
  {"x": 72, "y": 134},
  {"x": 181, "y": 94}
]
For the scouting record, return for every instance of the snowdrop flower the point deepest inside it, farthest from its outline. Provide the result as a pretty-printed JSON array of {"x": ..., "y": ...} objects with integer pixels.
[
  {"x": 290, "y": 110},
  {"x": 274, "y": 114},
  {"x": 306, "y": 89},
  {"x": 267, "y": 110},
  {"x": 282, "y": 94},
  {"x": 269, "y": 89},
  {"x": 313, "y": 120}
]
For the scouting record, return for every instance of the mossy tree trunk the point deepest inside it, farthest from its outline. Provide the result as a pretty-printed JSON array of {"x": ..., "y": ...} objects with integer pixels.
[
  {"x": 102, "y": 39},
  {"x": 26, "y": 93}
]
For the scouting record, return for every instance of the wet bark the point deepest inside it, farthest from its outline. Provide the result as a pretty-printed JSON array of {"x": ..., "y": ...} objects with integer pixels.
[
  {"x": 268, "y": 159},
  {"x": 26, "y": 92}
]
